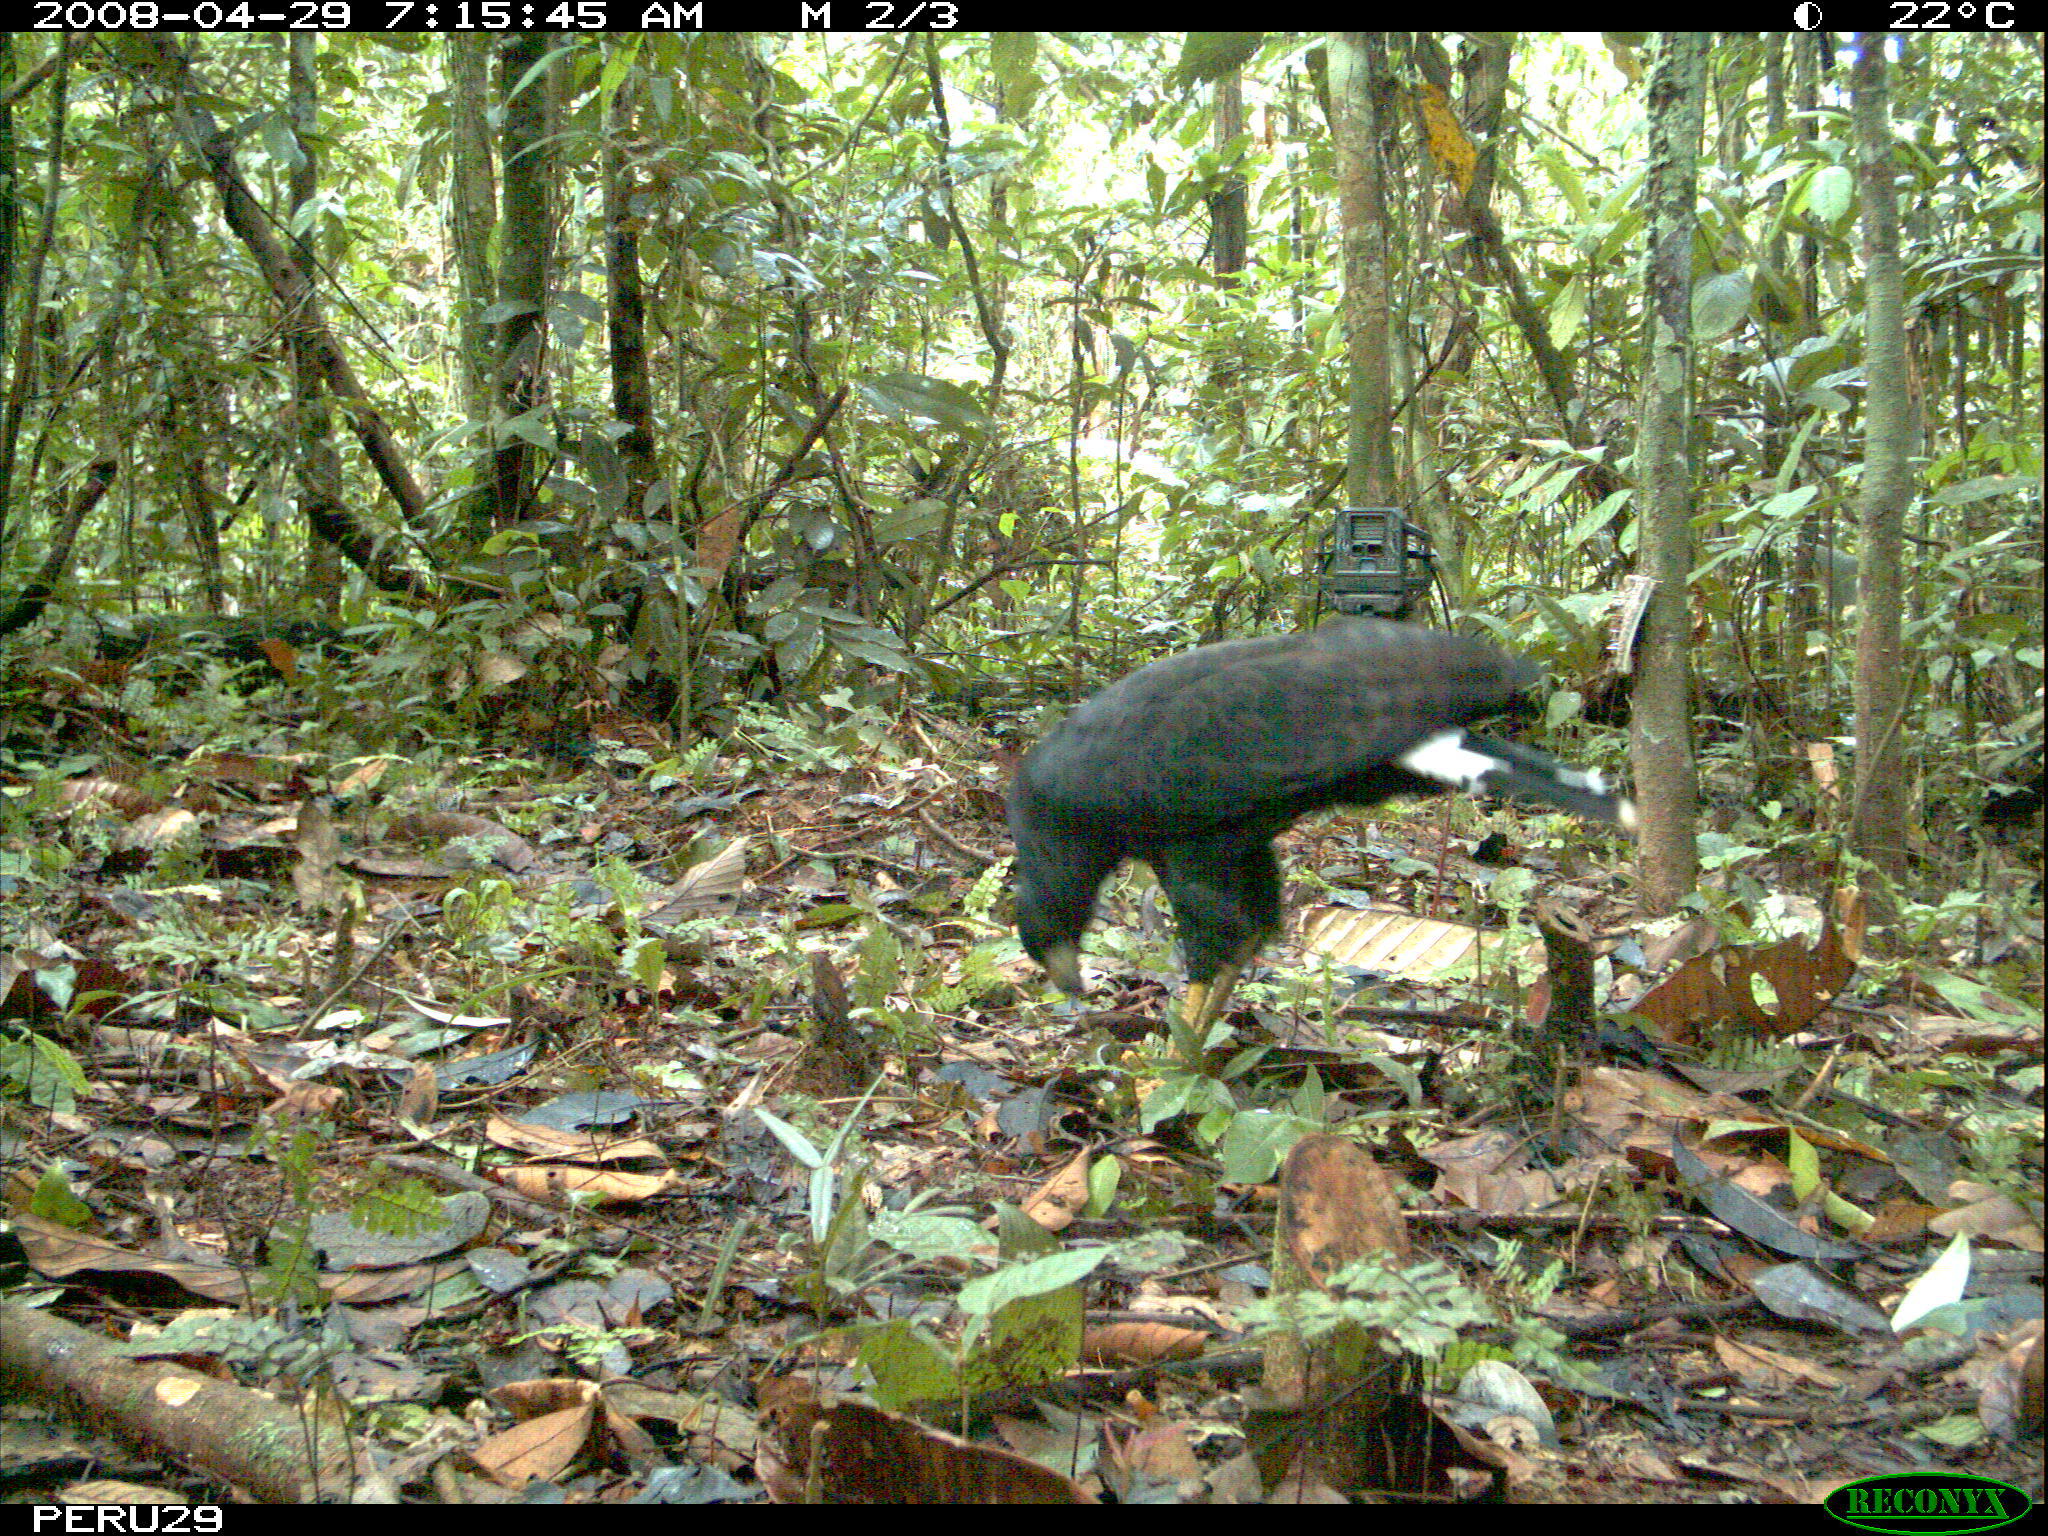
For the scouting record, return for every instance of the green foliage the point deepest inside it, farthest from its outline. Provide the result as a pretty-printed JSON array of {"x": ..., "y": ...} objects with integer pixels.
[
  {"x": 258, "y": 1348},
  {"x": 792, "y": 739},
  {"x": 982, "y": 896},
  {"x": 881, "y": 968},
  {"x": 590, "y": 1346},
  {"x": 399, "y": 1208},
  {"x": 1418, "y": 1311},
  {"x": 54, "y": 1201},
  {"x": 691, "y": 769},
  {"x": 39, "y": 1071},
  {"x": 847, "y": 1248},
  {"x": 1023, "y": 1321},
  {"x": 291, "y": 1262}
]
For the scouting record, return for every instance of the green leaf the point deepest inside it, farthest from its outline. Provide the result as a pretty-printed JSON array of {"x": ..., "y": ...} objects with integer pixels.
[
  {"x": 1977, "y": 1001},
  {"x": 916, "y": 395},
  {"x": 1013, "y": 60},
  {"x": 1105, "y": 1174},
  {"x": 983, "y": 1296},
  {"x": 643, "y": 961},
  {"x": 1207, "y": 56},
  {"x": 54, "y": 1201},
  {"x": 924, "y": 516},
  {"x": 1941, "y": 1286},
  {"x": 1031, "y": 1341},
  {"x": 876, "y": 655},
  {"x": 907, "y": 1365},
  {"x": 1831, "y": 193},
  {"x": 40, "y": 1069},
  {"x": 1565, "y": 177},
  {"x": 1592, "y": 521},
  {"x": 1803, "y": 1162},
  {"x": 925, "y": 1237},
  {"x": 1719, "y": 305},
  {"x": 799, "y": 1145},
  {"x": 1568, "y": 313},
  {"x": 1255, "y": 1143}
]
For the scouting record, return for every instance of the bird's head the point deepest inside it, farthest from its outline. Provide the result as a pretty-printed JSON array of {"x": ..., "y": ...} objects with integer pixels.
[{"x": 1050, "y": 929}]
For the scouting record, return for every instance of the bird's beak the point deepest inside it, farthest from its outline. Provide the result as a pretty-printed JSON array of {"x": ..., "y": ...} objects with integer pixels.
[{"x": 1063, "y": 965}]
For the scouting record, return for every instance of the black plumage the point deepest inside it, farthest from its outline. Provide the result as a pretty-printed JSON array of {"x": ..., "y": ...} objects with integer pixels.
[{"x": 1197, "y": 762}]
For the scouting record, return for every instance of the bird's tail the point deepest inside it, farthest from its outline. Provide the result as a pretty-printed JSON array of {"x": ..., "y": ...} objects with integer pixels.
[{"x": 1486, "y": 766}]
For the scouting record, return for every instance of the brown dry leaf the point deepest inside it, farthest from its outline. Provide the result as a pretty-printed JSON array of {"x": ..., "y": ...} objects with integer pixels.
[
  {"x": 1491, "y": 1172},
  {"x": 244, "y": 770},
  {"x": 159, "y": 1051},
  {"x": 1688, "y": 941},
  {"x": 1179, "y": 1307},
  {"x": 1645, "y": 1463},
  {"x": 319, "y": 885},
  {"x": 1983, "y": 1212},
  {"x": 508, "y": 850},
  {"x": 1935, "y": 1033},
  {"x": 156, "y": 829},
  {"x": 373, "y": 1287},
  {"x": 547, "y": 1141},
  {"x": 1634, "y": 1112},
  {"x": 58, "y": 1253},
  {"x": 1160, "y": 1452},
  {"x": 1056, "y": 1202},
  {"x": 1899, "y": 1220},
  {"x": 98, "y": 987},
  {"x": 543, "y": 1446},
  {"x": 362, "y": 776},
  {"x": 714, "y": 884},
  {"x": 1450, "y": 147},
  {"x": 380, "y": 866},
  {"x": 1336, "y": 1206},
  {"x": 1141, "y": 1343},
  {"x": 58, "y": 676},
  {"x": 841, "y": 1452},
  {"x": 555, "y": 1181},
  {"x": 2011, "y": 1401},
  {"x": 497, "y": 669},
  {"x": 1493, "y": 1462},
  {"x": 1299, "y": 1487},
  {"x": 1391, "y": 941},
  {"x": 717, "y": 878},
  {"x": 94, "y": 793},
  {"x": 706, "y": 1417},
  {"x": 718, "y": 539},
  {"x": 421, "y": 1096},
  {"x": 1820, "y": 760},
  {"x": 1749, "y": 1122},
  {"x": 640, "y": 1449},
  {"x": 539, "y": 1395},
  {"x": 1237, "y": 1481},
  {"x": 1770, "y": 989},
  {"x": 108, "y": 1491},
  {"x": 308, "y": 1101},
  {"x": 280, "y": 656},
  {"x": 1772, "y": 1370}
]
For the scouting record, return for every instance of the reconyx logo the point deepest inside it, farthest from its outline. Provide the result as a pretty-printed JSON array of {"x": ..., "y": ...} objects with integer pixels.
[{"x": 1926, "y": 1502}]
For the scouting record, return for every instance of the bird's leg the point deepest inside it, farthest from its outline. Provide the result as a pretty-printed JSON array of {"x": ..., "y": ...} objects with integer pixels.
[
  {"x": 1205, "y": 1000},
  {"x": 1199, "y": 1007}
]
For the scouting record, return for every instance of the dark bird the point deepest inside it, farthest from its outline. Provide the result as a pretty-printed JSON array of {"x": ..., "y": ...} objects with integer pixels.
[{"x": 1197, "y": 762}]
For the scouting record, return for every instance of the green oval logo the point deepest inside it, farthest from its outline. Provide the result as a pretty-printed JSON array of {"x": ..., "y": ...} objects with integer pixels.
[{"x": 1914, "y": 1503}]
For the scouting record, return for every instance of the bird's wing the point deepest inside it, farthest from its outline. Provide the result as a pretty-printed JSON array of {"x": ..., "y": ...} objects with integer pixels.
[{"x": 1219, "y": 734}]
